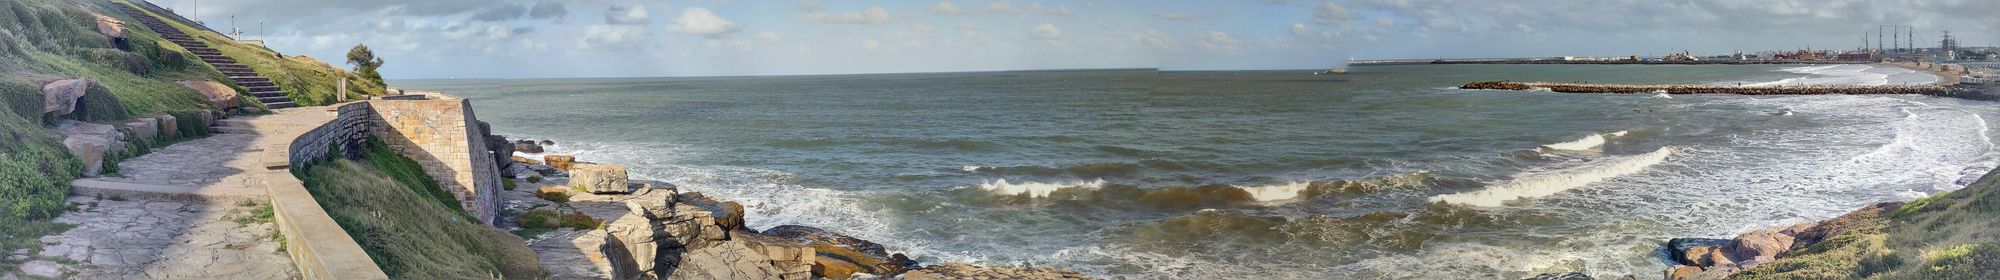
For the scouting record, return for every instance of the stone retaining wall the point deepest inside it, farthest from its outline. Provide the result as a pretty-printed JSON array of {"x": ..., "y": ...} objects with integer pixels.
[
  {"x": 443, "y": 136},
  {"x": 349, "y": 131},
  {"x": 440, "y": 133}
]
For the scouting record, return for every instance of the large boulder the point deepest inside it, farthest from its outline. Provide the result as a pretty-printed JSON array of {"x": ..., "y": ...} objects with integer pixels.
[
  {"x": 89, "y": 142},
  {"x": 840, "y": 256},
  {"x": 218, "y": 94},
  {"x": 60, "y": 97},
  {"x": 724, "y": 261},
  {"x": 142, "y": 129},
  {"x": 502, "y": 154},
  {"x": 110, "y": 26},
  {"x": 170, "y": 127},
  {"x": 600, "y": 178},
  {"x": 1696, "y": 251},
  {"x": 525, "y": 160},
  {"x": 630, "y": 245},
  {"x": 793, "y": 260},
  {"x": 528, "y": 146},
  {"x": 561, "y": 163},
  {"x": 1762, "y": 245}
]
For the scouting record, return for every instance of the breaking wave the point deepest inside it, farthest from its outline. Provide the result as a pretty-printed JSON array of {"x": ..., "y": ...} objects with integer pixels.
[
  {"x": 1101, "y": 193},
  {"x": 1548, "y": 183},
  {"x": 1586, "y": 143}
]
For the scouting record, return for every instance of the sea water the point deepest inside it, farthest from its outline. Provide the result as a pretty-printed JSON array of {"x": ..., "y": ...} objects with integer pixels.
[{"x": 1385, "y": 172}]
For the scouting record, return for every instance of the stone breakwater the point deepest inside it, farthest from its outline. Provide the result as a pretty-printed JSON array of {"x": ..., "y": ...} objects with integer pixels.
[{"x": 1932, "y": 90}]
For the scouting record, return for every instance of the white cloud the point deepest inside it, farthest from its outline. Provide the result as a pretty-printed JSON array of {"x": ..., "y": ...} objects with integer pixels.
[
  {"x": 1154, "y": 39},
  {"x": 1301, "y": 30},
  {"x": 924, "y": 28},
  {"x": 636, "y": 14},
  {"x": 601, "y": 36},
  {"x": 1002, "y": 7},
  {"x": 768, "y": 36},
  {"x": 946, "y": 8},
  {"x": 699, "y": 21},
  {"x": 1218, "y": 40},
  {"x": 1046, "y": 32},
  {"x": 872, "y": 15},
  {"x": 1331, "y": 13}
]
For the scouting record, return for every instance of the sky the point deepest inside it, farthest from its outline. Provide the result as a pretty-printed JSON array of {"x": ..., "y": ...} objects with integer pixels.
[{"x": 430, "y": 39}]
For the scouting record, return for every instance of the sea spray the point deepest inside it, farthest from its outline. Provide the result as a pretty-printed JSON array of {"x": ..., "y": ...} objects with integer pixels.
[
  {"x": 1548, "y": 183},
  {"x": 1273, "y": 193}
]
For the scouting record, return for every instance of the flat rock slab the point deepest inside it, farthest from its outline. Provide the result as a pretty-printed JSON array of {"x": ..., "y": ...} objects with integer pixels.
[{"x": 160, "y": 239}]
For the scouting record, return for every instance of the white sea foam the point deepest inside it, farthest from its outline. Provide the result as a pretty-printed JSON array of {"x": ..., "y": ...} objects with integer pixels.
[
  {"x": 1853, "y": 74},
  {"x": 1272, "y": 193},
  {"x": 1662, "y": 95},
  {"x": 971, "y": 168},
  {"x": 1587, "y": 142},
  {"x": 1035, "y": 189},
  {"x": 1548, "y": 183}
]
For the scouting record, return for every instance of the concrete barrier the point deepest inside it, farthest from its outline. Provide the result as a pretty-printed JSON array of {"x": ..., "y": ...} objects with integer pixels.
[{"x": 318, "y": 246}]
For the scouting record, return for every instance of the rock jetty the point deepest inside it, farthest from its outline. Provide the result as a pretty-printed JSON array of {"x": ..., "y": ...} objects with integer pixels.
[{"x": 1932, "y": 90}]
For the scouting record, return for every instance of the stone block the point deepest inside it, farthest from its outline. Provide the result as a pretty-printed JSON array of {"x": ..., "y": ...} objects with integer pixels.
[
  {"x": 600, "y": 178},
  {"x": 561, "y": 163},
  {"x": 142, "y": 129},
  {"x": 90, "y": 150},
  {"x": 218, "y": 94},
  {"x": 60, "y": 97},
  {"x": 169, "y": 127}
]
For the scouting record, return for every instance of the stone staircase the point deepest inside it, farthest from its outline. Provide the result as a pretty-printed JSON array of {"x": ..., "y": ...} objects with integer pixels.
[{"x": 260, "y": 87}]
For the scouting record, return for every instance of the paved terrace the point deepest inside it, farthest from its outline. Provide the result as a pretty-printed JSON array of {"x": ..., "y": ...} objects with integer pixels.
[{"x": 185, "y": 210}]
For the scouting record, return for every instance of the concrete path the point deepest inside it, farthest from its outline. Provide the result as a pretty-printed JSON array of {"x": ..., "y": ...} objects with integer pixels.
[
  {"x": 218, "y": 168},
  {"x": 186, "y": 211},
  {"x": 159, "y": 239}
]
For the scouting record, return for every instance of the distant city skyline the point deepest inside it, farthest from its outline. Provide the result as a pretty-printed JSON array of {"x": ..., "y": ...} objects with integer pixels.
[{"x": 652, "y": 38}]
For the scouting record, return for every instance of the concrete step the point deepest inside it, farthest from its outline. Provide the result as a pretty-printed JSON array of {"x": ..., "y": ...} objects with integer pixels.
[
  {"x": 280, "y": 105},
  {"x": 275, "y": 99},
  {"x": 232, "y": 122},
  {"x": 263, "y": 88},
  {"x": 248, "y": 78},
  {"x": 255, "y": 84},
  {"x": 268, "y": 94}
]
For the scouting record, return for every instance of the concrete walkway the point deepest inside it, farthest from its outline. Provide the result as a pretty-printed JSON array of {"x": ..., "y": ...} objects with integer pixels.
[
  {"x": 188, "y": 210},
  {"x": 218, "y": 168}
]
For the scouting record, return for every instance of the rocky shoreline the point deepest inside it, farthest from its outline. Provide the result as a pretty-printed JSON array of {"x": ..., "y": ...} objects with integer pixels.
[
  {"x": 1710, "y": 258},
  {"x": 600, "y": 224}
]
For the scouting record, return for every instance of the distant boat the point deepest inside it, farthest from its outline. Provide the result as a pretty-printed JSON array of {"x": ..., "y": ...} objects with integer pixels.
[{"x": 1334, "y": 71}]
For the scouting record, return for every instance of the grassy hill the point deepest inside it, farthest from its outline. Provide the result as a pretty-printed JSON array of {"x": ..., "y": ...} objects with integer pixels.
[
  {"x": 409, "y": 226},
  {"x": 1954, "y": 235},
  {"x": 47, "y": 40}
]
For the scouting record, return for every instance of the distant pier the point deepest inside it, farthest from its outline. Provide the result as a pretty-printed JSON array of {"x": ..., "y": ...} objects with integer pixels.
[{"x": 1932, "y": 90}]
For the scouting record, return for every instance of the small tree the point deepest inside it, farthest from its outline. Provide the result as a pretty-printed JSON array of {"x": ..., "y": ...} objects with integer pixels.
[{"x": 365, "y": 63}]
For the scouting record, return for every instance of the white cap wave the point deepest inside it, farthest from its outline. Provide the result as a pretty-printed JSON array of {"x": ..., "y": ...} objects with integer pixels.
[
  {"x": 1549, "y": 183},
  {"x": 1586, "y": 143}
]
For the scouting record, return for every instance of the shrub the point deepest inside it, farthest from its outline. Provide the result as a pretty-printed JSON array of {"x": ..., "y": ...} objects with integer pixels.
[
  {"x": 555, "y": 195},
  {"x": 408, "y": 234},
  {"x": 539, "y": 218},
  {"x": 507, "y": 184},
  {"x": 534, "y": 179},
  {"x": 579, "y": 221}
]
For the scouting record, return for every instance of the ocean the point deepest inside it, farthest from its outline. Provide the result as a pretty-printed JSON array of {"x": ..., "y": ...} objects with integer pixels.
[{"x": 1385, "y": 172}]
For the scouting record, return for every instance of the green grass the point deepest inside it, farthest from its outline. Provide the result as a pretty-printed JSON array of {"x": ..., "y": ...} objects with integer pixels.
[
  {"x": 308, "y": 81},
  {"x": 46, "y": 40},
  {"x": 409, "y": 234},
  {"x": 1946, "y": 236},
  {"x": 410, "y": 174}
]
